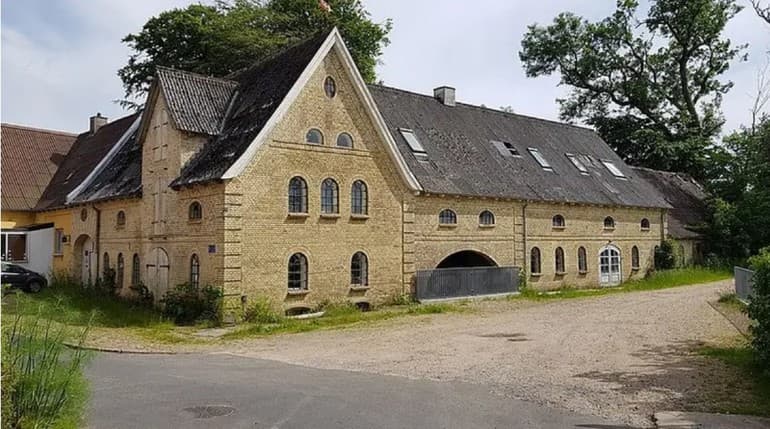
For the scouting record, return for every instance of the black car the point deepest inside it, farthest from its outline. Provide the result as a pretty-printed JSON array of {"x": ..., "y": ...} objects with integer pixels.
[{"x": 20, "y": 277}]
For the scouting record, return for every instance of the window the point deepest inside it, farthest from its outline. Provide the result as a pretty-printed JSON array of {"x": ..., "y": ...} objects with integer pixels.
[
  {"x": 106, "y": 262},
  {"x": 83, "y": 214},
  {"x": 298, "y": 272},
  {"x": 359, "y": 198},
  {"x": 359, "y": 270},
  {"x": 534, "y": 261},
  {"x": 609, "y": 222},
  {"x": 540, "y": 159},
  {"x": 119, "y": 271},
  {"x": 613, "y": 169},
  {"x": 506, "y": 149},
  {"x": 14, "y": 247},
  {"x": 195, "y": 211},
  {"x": 635, "y": 258},
  {"x": 120, "y": 222},
  {"x": 645, "y": 224},
  {"x": 576, "y": 162},
  {"x": 411, "y": 140},
  {"x": 58, "y": 241},
  {"x": 330, "y": 87},
  {"x": 297, "y": 195},
  {"x": 486, "y": 218},
  {"x": 329, "y": 197},
  {"x": 582, "y": 260},
  {"x": 447, "y": 217},
  {"x": 195, "y": 271},
  {"x": 314, "y": 136},
  {"x": 135, "y": 279},
  {"x": 558, "y": 221},
  {"x": 559, "y": 260},
  {"x": 344, "y": 140}
]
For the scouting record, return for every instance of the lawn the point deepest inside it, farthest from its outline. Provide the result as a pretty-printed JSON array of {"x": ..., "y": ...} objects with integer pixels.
[{"x": 752, "y": 382}]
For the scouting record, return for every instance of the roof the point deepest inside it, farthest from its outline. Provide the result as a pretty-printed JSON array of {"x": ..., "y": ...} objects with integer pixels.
[
  {"x": 261, "y": 89},
  {"x": 686, "y": 197},
  {"x": 462, "y": 160},
  {"x": 30, "y": 158},
  {"x": 86, "y": 153},
  {"x": 195, "y": 103}
]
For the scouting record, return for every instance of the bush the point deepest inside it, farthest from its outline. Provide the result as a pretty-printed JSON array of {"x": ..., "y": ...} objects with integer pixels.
[
  {"x": 665, "y": 256},
  {"x": 261, "y": 311},
  {"x": 143, "y": 294},
  {"x": 185, "y": 304},
  {"x": 759, "y": 306}
]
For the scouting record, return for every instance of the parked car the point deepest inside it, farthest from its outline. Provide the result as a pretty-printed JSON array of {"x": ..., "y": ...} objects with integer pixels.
[{"x": 20, "y": 277}]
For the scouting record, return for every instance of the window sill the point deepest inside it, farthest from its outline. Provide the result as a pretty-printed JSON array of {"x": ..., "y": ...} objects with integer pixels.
[
  {"x": 447, "y": 225},
  {"x": 297, "y": 292},
  {"x": 298, "y": 215},
  {"x": 359, "y": 216},
  {"x": 357, "y": 288},
  {"x": 58, "y": 255},
  {"x": 535, "y": 274},
  {"x": 330, "y": 215},
  {"x": 486, "y": 226},
  {"x": 582, "y": 273},
  {"x": 559, "y": 228},
  {"x": 645, "y": 229},
  {"x": 194, "y": 221},
  {"x": 561, "y": 273},
  {"x": 609, "y": 229},
  {"x": 634, "y": 268}
]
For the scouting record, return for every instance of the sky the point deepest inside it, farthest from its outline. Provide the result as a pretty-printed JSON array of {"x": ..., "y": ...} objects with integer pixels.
[{"x": 60, "y": 57}]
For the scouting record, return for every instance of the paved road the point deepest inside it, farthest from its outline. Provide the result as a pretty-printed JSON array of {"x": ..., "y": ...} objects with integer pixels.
[{"x": 160, "y": 391}]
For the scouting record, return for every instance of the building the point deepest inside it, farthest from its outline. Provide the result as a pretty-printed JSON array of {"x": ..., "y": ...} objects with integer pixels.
[{"x": 296, "y": 181}]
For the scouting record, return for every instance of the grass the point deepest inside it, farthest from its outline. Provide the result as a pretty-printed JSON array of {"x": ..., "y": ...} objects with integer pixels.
[
  {"x": 655, "y": 281},
  {"x": 756, "y": 400}
]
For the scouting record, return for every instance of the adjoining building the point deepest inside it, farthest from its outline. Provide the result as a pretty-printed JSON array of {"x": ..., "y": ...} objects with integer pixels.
[{"x": 296, "y": 181}]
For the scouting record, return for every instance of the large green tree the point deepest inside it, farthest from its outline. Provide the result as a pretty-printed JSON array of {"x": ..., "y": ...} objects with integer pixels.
[
  {"x": 229, "y": 35},
  {"x": 650, "y": 85}
]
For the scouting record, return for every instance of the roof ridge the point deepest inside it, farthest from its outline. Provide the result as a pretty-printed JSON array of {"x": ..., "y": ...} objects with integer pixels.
[
  {"x": 42, "y": 130},
  {"x": 281, "y": 51},
  {"x": 678, "y": 173},
  {"x": 196, "y": 75}
]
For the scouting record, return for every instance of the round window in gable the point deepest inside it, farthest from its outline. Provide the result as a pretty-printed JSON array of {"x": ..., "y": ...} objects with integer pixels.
[
  {"x": 84, "y": 214},
  {"x": 330, "y": 87}
]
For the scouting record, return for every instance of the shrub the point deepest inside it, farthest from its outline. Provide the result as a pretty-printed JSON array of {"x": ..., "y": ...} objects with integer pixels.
[
  {"x": 185, "y": 304},
  {"x": 142, "y": 294},
  {"x": 261, "y": 311},
  {"x": 759, "y": 306},
  {"x": 665, "y": 256}
]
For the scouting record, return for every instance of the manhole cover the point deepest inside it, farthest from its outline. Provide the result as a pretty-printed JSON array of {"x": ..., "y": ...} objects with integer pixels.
[{"x": 209, "y": 411}]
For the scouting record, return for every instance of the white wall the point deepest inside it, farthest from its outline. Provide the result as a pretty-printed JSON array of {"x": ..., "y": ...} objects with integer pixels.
[{"x": 39, "y": 251}]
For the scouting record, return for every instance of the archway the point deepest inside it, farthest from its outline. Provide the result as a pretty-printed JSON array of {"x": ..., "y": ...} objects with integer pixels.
[
  {"x": 84, "y": 259},
  {"x": 467, "y": 258},
  {"x": 610, "y": 266}
]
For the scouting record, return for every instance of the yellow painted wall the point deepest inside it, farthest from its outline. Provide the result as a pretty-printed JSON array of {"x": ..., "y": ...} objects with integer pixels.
[{"x": 12, "y": 219}]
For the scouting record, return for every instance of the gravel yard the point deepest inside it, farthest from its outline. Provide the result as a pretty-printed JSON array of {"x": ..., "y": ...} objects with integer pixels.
[{"x": 620, "y": 356}]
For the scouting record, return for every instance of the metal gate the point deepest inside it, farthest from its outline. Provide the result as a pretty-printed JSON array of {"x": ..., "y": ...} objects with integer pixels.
[
  {"x": 443, "y": 283},
  {"x": 744, "y": 283}
]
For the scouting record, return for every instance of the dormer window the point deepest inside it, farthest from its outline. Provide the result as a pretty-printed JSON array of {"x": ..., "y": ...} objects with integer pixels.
[
  {"x": 577, "y": 163},
  {"x": 613, "y": 169},
  {"x": 540, "y": 158}
]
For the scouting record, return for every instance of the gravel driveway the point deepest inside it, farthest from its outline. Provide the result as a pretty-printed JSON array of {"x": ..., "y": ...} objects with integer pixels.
[{"x": 620, "y": 356}]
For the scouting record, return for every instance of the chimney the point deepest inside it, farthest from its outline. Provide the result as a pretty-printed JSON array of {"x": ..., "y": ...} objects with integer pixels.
[
  {"x": 445, "y": 94},
  {"x": 96, "y": 122}
]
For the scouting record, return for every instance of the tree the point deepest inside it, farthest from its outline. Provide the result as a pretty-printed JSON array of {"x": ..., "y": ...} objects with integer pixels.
[
  {"x": 232, "y": 34},
  {"x": 651, "y": 87},
  {"x": 762, "y": 11}
]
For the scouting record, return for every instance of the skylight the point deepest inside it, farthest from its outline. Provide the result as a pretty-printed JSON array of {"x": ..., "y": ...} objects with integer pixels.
[
  {"x": 506, "y": 149},
  {"x": 613, "y": 169},
  {"x": 411, "y": 140},
  {"x": 576, "y": 162},
  {"x": 540, "y": 159}
]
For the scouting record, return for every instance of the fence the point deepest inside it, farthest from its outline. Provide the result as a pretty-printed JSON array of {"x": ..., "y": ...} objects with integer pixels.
[
  {"x": 445, "y": 283},
  {"x": 744, "y": 283}
]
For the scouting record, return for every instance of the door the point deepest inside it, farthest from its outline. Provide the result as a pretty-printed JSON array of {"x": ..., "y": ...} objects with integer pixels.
[
  {"x": 157, "y": 272},
  {"x": 87, "y": 261},
  {"x": 609, "y": 266}
]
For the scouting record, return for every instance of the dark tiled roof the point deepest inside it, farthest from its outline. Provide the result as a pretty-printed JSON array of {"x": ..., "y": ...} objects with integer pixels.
[
  {"x": 461, "y": 160},
  {"x": 685, "y": 196},
  {"x": 260, "y": 91},
  {"x": 195, "y": 103},
  {"x": 82, "y": 158},
  {"x": 30, "y": 158}
]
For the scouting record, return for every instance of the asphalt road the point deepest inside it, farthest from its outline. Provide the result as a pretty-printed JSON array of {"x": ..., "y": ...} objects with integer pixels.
[{"x": 223, "y": 391}]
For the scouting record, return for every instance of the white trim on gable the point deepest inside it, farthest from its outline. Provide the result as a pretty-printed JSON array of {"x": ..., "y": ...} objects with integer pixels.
[{"x": 334, "y": 40}]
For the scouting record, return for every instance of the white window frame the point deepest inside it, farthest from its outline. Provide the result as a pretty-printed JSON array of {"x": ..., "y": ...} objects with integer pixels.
[
  {"x": 4, "y": 237},
  {"x": 411, "y": 139},
  {"x": 577, "y": 163},
  {"x": 535, "y": 152},
  {"x": 58, "y": 245},
  {"x": 613, "y": 169}
]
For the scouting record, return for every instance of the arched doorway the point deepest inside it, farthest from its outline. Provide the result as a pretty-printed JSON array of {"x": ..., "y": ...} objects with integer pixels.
[
  {"x": 465, "y": 259},
  {"x": 609, "y": 266},
  {"x": 85, "y": 259},
  {"x": 157, "y": 272}
]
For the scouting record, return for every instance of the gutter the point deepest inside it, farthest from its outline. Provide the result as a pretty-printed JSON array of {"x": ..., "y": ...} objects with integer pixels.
[
  {"x": 97, "y": 239},
  {"x": 524, "y": 234}
]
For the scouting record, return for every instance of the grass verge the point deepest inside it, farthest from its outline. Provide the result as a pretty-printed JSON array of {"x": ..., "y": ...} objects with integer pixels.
[{"x": 752, "y": 399}]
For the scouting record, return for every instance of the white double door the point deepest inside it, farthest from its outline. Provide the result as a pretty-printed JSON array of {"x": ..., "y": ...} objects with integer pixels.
[{"x": 609, "y": 266}]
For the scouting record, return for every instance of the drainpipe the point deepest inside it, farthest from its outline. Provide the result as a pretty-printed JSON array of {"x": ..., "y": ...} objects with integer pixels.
[
  {"x": 98, "y": 238},
  {"x": 524, "y": 234}
]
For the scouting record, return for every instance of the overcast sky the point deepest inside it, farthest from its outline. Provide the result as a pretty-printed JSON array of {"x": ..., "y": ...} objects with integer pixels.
[{"x": 60, "y": 57}]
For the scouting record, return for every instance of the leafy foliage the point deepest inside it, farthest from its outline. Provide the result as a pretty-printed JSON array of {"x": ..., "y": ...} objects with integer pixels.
[
  {"x": 186, "y": 304},
  {"x": 759, "y": 306},
  {"x": 222, "y": 38},
  {"x": 665, "y": 255},
  {"x": 650, "y": 86},
  {"x": 261, "y": 311}
]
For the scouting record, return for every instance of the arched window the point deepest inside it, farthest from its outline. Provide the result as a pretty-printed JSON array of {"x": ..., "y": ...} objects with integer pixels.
[
  {"x": 635, "y": 258},
  {"x": 121, "y": 219},
  {"x": 106, "y": 262},
  {"x": 298, "y": 272},
  {"x": 645, "y": 224},
  {"x": 534, "y": 261},
  {"x": 195, "y": 271},
  {"x": 559, "y": 260},
  {"x": 119, "y": 271},
  {"x": 135, "y": 269},
  {"x": 314, "y": 136},
  {"x": 297, "y": 195},
  {"x": 344, "y": 140},
  {"x": 359, "y": 269},
  {"x": 447, "y": 217},
  {"x": 582, "y": 260},
  {"x": 486, "y": 218},
  {"x": 330, "y": 87},
  {"x": 330, "y": 196},
  {"x": 195, "y": 211},
  {"x": 609, "y": 222},
  {"x": 558, "y": 221},
  {"x": 359, "y": 198}
]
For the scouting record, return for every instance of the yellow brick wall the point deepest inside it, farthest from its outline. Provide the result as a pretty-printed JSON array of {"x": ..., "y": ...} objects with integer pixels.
[
  {"x": 12, "y": 218},
  {"x": 62, "y": 219}
]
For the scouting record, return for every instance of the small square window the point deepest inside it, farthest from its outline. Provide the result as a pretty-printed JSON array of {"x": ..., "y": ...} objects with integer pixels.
[
  {"x": 540, "y": 159},
  {"x": 506, "y": 149},
  {"x": 613, "y": 169},
  {"x": 577, "y": 163},
  {"x": 411, "y": 140}
]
